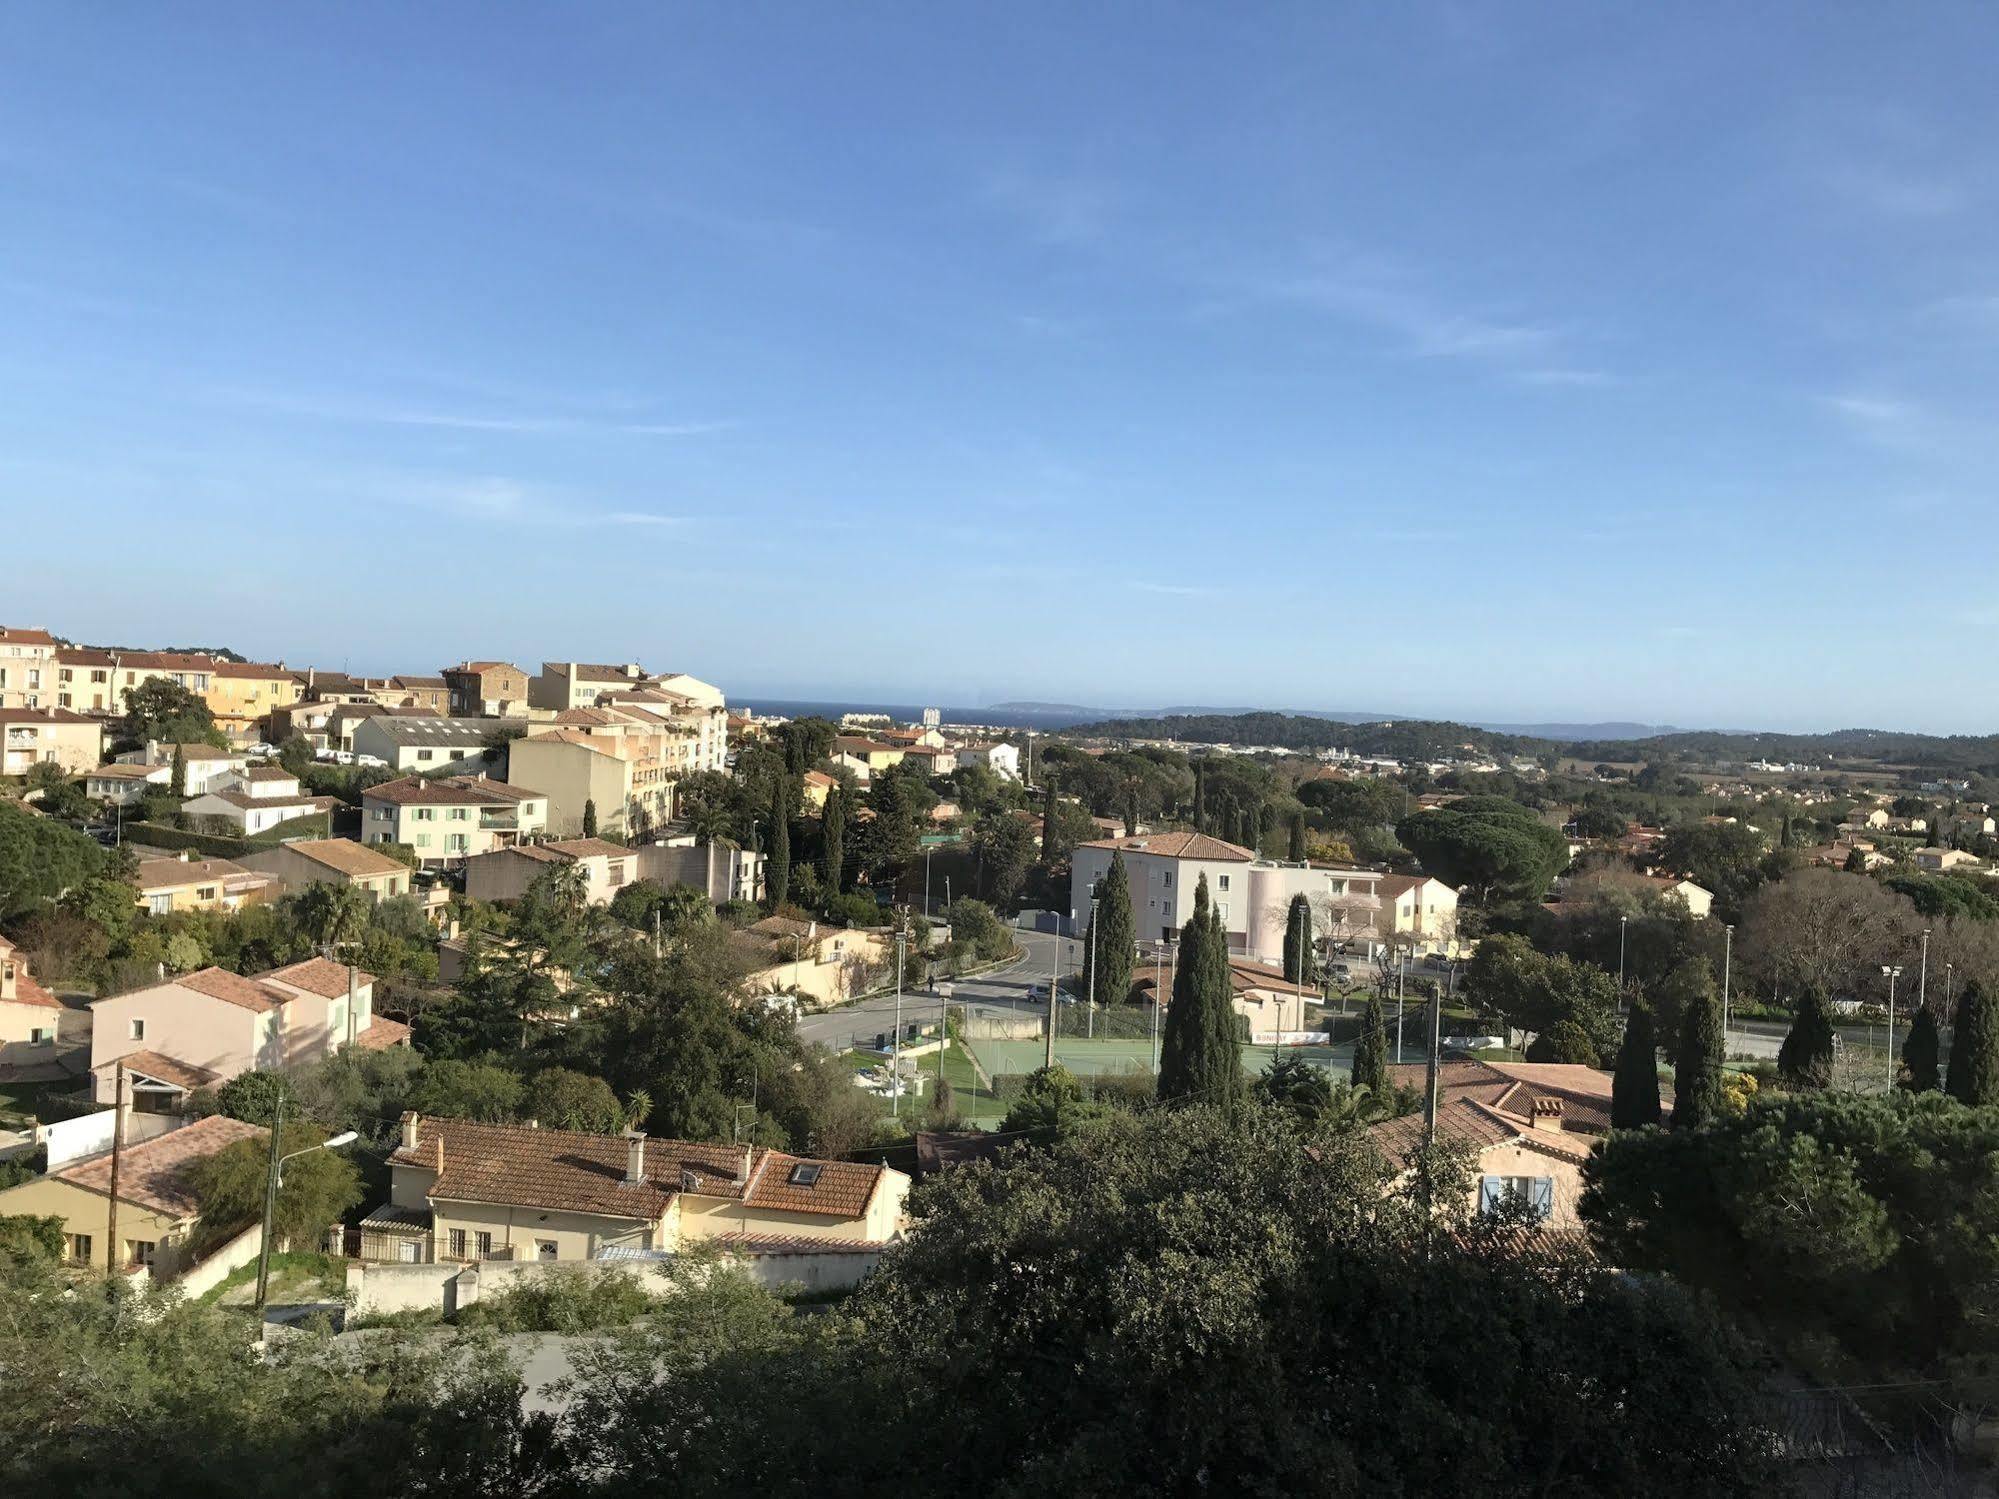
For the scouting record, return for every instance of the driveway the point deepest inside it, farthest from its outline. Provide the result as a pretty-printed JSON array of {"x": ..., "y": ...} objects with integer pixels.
[{"x": 1003, "y": 992}]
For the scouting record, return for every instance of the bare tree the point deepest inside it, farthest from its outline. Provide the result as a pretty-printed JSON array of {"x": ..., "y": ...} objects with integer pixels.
[{"x": 1825, "y": 927}]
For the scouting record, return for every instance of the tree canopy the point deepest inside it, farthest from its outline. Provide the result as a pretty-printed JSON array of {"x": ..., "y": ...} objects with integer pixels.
[{"x": 1491, "y": 846}]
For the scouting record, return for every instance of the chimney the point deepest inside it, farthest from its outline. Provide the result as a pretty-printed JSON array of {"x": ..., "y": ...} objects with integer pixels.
[
  {"x": 635, "y": 1157},
  {"x": 1548, "y": 1115},
  {"x": 184, "y": 856},
  {"x": 410, "y": 1118},
  {"x": 743, "y": 1171}
]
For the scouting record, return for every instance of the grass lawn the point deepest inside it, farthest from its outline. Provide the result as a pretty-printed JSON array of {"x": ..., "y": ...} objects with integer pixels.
[
  {"x": 295, "y": 1276},
  {"x": 977, "y": 1105}
]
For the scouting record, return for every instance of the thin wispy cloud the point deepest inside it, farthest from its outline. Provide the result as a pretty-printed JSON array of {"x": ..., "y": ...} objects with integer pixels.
[
  {"x": 1171, "y": 590},
  {"x": 1883, "y": 421},
  {"x": 1423, "y": 325},
  {"x": 366, "y": 414},
  {"x": 1567, "y": 377},
  {"x": 636, "y": 518},
  {"x": 1053, "y": 209}
]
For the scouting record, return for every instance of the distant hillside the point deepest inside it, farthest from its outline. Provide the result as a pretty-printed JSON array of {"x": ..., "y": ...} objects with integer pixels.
[
  {"x": 1963, "y": 752},
  {"x": 1401, "y": 739}
]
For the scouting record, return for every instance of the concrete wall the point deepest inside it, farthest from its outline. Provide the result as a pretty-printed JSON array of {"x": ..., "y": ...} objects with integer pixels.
[
  {"x": 205, "y": 1275},
  {"x": 87, "y": 1135}
]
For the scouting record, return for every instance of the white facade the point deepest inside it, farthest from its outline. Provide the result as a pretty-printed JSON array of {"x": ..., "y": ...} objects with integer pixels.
[{"x": 1001, "y": 758}]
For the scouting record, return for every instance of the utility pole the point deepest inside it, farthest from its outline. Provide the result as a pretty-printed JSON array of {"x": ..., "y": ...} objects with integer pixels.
[
  {"x": 1623, "y": 925},
  {"x": 655, "y": 934},
  {"x": 1158, "y": 1000},
  {"x": 1893, "y": 971},
  {"x": 1054, "y": 985},
  {"x": 895, "y": 1043},
  {"x": 270, "y": 1204},
  {"x": 1430, "y": 1076},
  {"x": 1727, "y": 964},
  {"x": 926, "y": 879},
  {"x": 1400, "y": 973},
  {"x": 117, "y": 1152},
  {"x": 1922, "y": 977}
]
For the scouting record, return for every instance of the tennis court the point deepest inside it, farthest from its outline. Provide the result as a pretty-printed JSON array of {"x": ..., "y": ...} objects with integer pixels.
[{"x": 1088, "y": 1058}]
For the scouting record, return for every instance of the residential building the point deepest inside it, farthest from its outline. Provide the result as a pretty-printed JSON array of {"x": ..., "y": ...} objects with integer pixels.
[
  {"x": 854, "y": 764},
  {"x": 1867, "y": 817},
  {"x": 486, "y": 689},
  {"x": 30, "y": 1016},
  {"x": 427, "y": 745},
  {"x": 27, "y": 667},
  {"x": 506, "y": 873},
  {"x": 1699, "y": 902},
  {"x": 876, "y": 755},
  {"x": 332, "y": 861},
  {"x": 720, "y": 870},
  {"x": 934, "y": 760},
  {"x": 333, "y": 687},
  {"x": 1531, "y": 1126},
  {"x": 579, "y": 684},
  {"x": 1273, "y": 1005},
  {"x": 462, "y": 1191},
  {"x": 243, "y": 694},
  {"x": 83, "y": 680},
  {"x": 131, "y": 670},
  {"x": 818, "y": 786},
  {"x": 453, "y": 818},
  {"x": 208, "y": 768},
  {"x": 205, "y": 1027},
  {"x": 190, "y": 884},
  {"x": 1942, "y": 860},
  {"x": 156, "y": 1208},
  {"x": 49, "y": 736},
  {"x": 256, "y": 799},
  {"x": 1418, "y": 912},
  {"x": 998, "y": 756},
  {"x": 621, "y": 760},
  {"x": 1252, "y": 894},
  {"x": 817, "y": 961},
  {"x": 430, "y": 694}
]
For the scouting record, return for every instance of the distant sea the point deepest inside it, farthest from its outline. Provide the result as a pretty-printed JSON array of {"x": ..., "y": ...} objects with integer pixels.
[{"x": 1008, "y": 718}]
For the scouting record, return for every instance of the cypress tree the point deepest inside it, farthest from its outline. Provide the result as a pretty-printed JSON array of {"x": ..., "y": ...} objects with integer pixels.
[
  {"x": 1697, "y": 1068},
  {"x": 1297, "y": 837},
  {"x": 1920, "y": 1053},
  {"x": 1047, "y": 816},
  {"x": 1113, "y": 937},
  {"x": 1974, "y": 1049},
  {"x": 833, "y": 829},
  {"x": 1298, "y": 941},
  {"x": 1370, "y": 1048},
  {"x": 177, "y": 777},
  {"x": 1200, "y": 1056},
  {"x": 1804, "y": 1061},
  {"x": 589, "y": 818},
  {"x": 1634, "y": 1087},
  {"x": 778, "y": 883},
  {"x": 1200, "y": 818}
]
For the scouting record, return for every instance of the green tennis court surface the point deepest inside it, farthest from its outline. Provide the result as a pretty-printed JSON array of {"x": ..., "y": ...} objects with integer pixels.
[{"x": 1089, "y": 1058}]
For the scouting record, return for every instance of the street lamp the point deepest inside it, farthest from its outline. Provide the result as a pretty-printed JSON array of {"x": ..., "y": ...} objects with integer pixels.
[
  {"x": 275, "y": 1180},
  {"x": 1891, "y": 971},
  {"x": 1623, "y": 924},
  {"x": 1727, "y": 963}
]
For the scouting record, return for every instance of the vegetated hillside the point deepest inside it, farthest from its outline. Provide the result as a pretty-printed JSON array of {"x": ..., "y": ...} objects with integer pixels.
[
  {"x": 1971, "y": 752},
  {"x": 1401, "y": 739}
]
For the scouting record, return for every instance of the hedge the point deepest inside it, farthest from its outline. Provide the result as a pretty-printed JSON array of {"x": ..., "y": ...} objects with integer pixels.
[{"x": 312, "y": 825}]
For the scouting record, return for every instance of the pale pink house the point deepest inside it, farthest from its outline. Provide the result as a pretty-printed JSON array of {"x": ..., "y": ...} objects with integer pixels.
[
  {"x": 204, "y": 1028},
  {"x": 29, "y": 1014}
]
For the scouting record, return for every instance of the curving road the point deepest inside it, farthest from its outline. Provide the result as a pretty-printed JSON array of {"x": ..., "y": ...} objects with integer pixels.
[{"x": 1003, "y": 992}]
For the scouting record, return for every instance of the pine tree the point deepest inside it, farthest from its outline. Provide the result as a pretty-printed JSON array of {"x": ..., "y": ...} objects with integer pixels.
[
  {"x": 1804, "y": 1061},
  {"x": 1634, "y": 1087},
  {"x": 1974, "y": 1049},
  {"x": 1370, "y": 1048},
  {"x": 1920, "y": 1053},
  {"x": 1298, "y": 941},
  {"x": 833, "y": 831},
  {"x": 589, "y": 818},
  {"x": 1697, "y": 1067},
  {"x": 1297, "y": 837},
  {"x": 1200, "y": 1055},
  {"x": 1113, "y": 937},
  {"x": 177, "y": 777},
  {"x": 777, "y": 883}
]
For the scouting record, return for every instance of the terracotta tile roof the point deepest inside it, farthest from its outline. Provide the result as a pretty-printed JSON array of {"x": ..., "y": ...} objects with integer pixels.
[
  {"x": 155, "y": 1174},
  {"x": 459, "y": 791},
  {"x": 162, "y": 1068},
  {"x": 590, "y": 717},
  {"x": 483, "y": 666},
  {"x": 777, "y": 1244},
  {"x": 586, "y": 848},
  {"x": 43, "y": 715},
  {"x": 253, "y": 671},
  {"x": 854, "y": 744},
  {"x": 424, "y": 684},
  {"x": 28, "y": 989},
  {"x": 1512, "y": 1087},
  {"x": 17, "y": 635},
  {"x": 1178, "y": 846},
  {"x": 1458, "y": 1119},
  {"x": 80, "y": 655},
  {"x": 168, "y": 660},
  {"x": 380, "y": 1035},
  {"x": 820, "y": 778},
  {"x": 320, "y": 976},
  {"x": 266, "y": 773},
  {"x": 245, "y": 801},
  {"x": 116, "y": 772},
  {"x": 838, "y": 1189},
  {"x": 558, "y": 1168},
  {"x": 345, "y": 856},
  {"x": 173, "y": 874},
  {"x": 233, "y": 988}
]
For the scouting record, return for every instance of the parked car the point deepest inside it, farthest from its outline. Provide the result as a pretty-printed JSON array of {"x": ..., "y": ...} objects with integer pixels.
[{"x": 372, "y": 762}]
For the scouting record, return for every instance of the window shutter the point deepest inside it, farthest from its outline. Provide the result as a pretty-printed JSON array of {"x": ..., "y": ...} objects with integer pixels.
[
  {"x": 1543, "y": 1196},
  {"x": 1491, "y": 1193}
]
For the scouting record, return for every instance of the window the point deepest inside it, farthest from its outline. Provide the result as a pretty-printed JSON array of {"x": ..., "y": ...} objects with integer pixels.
[
  {"x": 79, "y": 1249},
  {"x": 458, "y": 1243},
  {"x": 1537, "y": 1193},
  {"x": 1169, "y": 879},
  {"x": 40, "y": 1035},
  {"x": 138, "y": 1029},
  {"x": 425, "y": 754},
  {"x": 483, "y": 1241},
  {"x": 1221, "y": 882},
  {"x": 805, "y": 1174},
  {"x": 459, "y": 814},
  {"x": 141, "y": 1251},
  {"x": 422, "y": 814},
  {"x": 422, "y": 840},
  {"x": 204, "y": 892},
  {"x": 544, "y": 1249}
]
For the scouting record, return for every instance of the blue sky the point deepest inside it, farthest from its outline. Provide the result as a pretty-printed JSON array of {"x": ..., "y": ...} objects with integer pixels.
[{"x": 1500, "y": 362}]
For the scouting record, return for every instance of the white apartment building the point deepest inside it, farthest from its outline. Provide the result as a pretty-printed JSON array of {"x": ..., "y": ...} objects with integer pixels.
[
  {"x": 1252, "y": 894},
  {"x": 450, "y": 820}
]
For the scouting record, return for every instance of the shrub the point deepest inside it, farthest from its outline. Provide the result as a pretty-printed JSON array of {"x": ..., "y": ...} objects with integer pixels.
[{"x": 562, "y": 1301}]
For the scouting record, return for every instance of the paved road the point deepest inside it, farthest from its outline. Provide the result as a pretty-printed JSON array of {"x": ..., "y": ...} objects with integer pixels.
[{"x": 1004, "y": 992}]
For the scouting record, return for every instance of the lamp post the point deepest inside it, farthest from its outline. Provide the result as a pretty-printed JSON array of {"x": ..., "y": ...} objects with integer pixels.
[
  {"x": 1092, "y": 990},
  {"x": 1727, "y": 965},
  {"x": 1923, "y": 975},
  {"x": 275, "y": 1180},
  {"x": 1892, "y": 971},
  {"x": 895, "y": 1042},
  {"x": 1623, "y": 925}
]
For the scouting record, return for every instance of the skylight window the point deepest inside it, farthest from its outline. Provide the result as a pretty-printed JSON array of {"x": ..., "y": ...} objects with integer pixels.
[{"x": 804, "y": 1174}]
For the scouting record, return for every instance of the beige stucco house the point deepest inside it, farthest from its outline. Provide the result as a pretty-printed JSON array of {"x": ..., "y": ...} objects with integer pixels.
[
  {"x": 157, "y": 1208},
  {"x": 506, "y": 873},
  {"x": 453, "y": 818},
  {"x": 828, "y": 964},
  {"x": 27, "y": 667},
  {"x": 191, "y": 884},
  {"x": 486, "y": 689},
  {"x": 1939, "y": 860},
  {"x": 332, "y": 861},
  {"x": 30, "y": 1016},
  {"x": 466, "y": 1191},
  {"x": 1421, "y": 912},
  {"x": 58, "y": 736},
  {"x": 205, "y": 1027},
  {"x": 83, "y": 680},
  {"x": 243, "y": 694}
]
